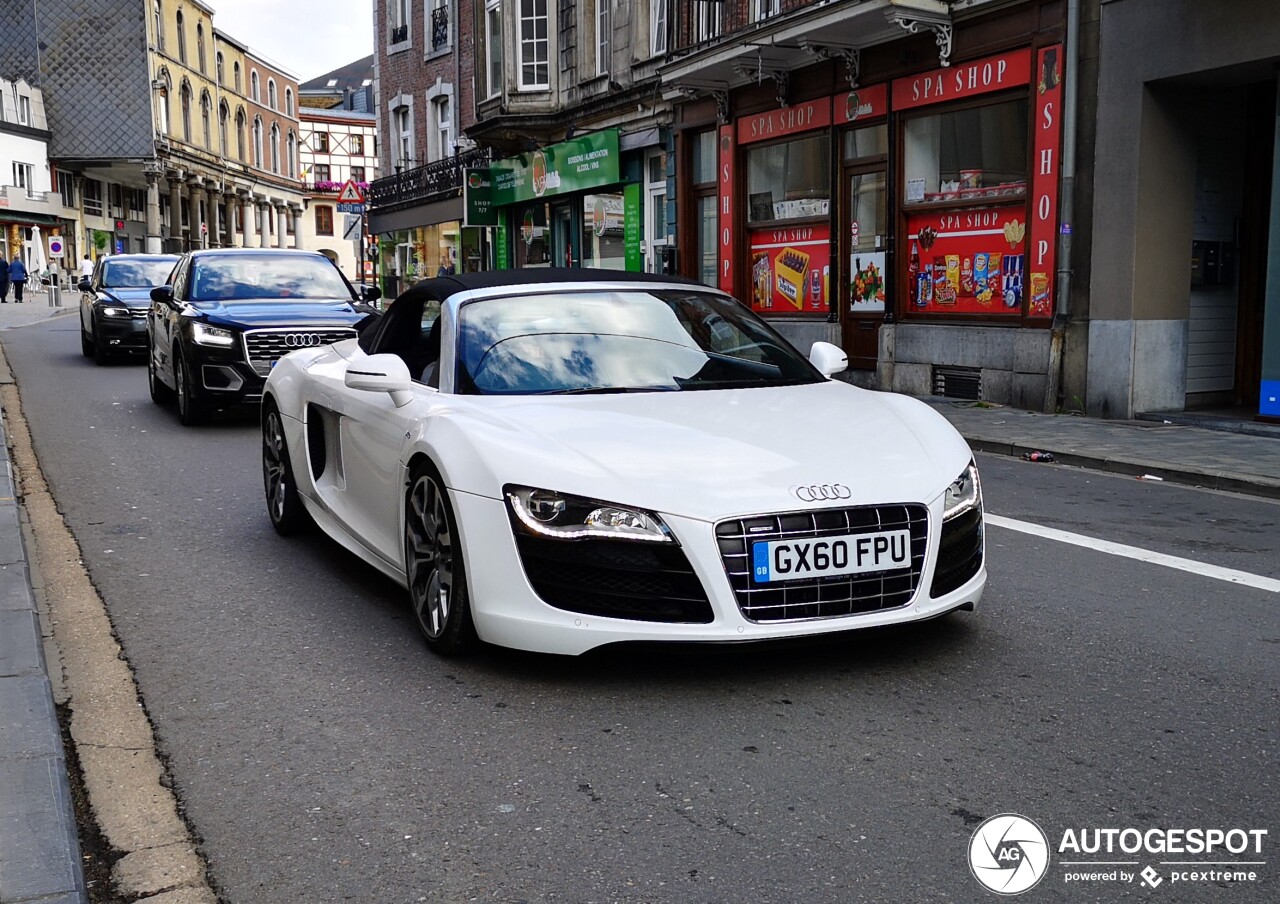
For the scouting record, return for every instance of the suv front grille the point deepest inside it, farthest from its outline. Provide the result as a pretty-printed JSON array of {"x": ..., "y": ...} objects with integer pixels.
[
  {"x": 264, "y": 347},
  {"x": 825, "y": 597}
]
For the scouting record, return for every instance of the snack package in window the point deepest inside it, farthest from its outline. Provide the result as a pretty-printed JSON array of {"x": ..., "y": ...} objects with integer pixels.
[
  {"x": 966, "y": 276},
  {"x": 761, "y": 280},
  {"x": 924, "y": 286},
  {"x": 995, "y": 279},
  {"x": 943, "y": 293},
  {"x": 1041, "y": 303},
  {"x": 980, "y": 270},
  {"x": 953, "y": 274}
]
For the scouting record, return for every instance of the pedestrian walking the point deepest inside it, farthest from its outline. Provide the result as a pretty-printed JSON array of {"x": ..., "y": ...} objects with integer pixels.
[
  {"x": 4, "y": 280},
  {"x": 17, "y": 276},
  {"x": 86, "y": 268}
]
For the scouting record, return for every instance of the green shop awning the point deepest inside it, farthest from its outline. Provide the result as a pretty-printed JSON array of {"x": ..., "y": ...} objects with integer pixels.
[{"x": 29, "y": 219}]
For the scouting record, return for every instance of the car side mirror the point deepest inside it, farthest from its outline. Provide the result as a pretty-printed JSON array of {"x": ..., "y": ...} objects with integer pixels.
[
  {"x": 372, "y": 293},
  {"x": 829, "y": 359},
  {"x": 381, "y": 373},
  {"x": 85, "y": 285},
  {"x": 162, "y": 294}
]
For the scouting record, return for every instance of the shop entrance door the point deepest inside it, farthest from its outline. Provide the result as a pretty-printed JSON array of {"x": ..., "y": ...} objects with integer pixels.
[
  {"x": 864, "y": 246},
  {"x": 562, "y": 245}
]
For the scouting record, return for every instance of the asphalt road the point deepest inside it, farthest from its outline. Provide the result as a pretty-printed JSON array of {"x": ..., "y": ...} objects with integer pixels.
[{"x": 322, "y": 754}]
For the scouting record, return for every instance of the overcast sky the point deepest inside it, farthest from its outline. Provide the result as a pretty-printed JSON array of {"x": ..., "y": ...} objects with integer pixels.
[{"x": 307, "y": 37}]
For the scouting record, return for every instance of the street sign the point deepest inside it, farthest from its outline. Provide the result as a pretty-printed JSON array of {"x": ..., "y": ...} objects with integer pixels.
[
  {"x": 351, "y": 228},
  {"x": 344, "y": 207},
  {"x": 350, "y": 193},
  {"x": 55, "y": 246}
]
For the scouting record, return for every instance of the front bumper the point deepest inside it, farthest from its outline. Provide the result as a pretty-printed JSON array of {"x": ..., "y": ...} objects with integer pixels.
[
  {"x": 221, "y": 377},
  {"x": 507, "y": 611},
  {"x": 122, "y": 334}
]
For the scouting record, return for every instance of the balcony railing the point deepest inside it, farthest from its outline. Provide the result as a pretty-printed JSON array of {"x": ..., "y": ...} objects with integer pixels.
[
  {"x": 700, "y": 23},
  {"x": 440, "y": 28},
  {"x": 424, "y": 183}
]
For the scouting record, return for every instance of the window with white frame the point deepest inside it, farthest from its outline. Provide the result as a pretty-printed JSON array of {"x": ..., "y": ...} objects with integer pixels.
[
  {"x": 402, "y": 157},
  {"x": 763, "y": 9},
  {"x": 67, "y": 188},
  {"x": 437, "y": 25},
  {"x": 24, "y": 175},
  {"x": 163, "y": 106},
  {"x": 604, "y": 31},
  {"x": 257, "y": 141},
  {"x": 288, "y": 101},
  {"x": 706, "y": 20},
  {"x": 398, "y": 22},
  {"x": 657, "y": 27},
  {"x": 291, "y": 156},
  {"x": 275, "y": 148},
  {"x": 159, "y": 15},
  {"x": 24, "y": 110},
  {"x": 441, "y": 127},
  {"x": 534, "y": 45},
  {"x": 92, "y": 197},
  {"x": 255, "y": 86},
  {"x": 493, "y": 47},
  {"x": 272, "y": 97}
]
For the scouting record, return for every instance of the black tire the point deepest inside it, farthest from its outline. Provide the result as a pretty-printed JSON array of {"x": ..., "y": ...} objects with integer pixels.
[
  {"x": 86, "y": 344},
  {"x": 101, "y": 356},
  {"x": 160, "y": 394},
  {"x": 434, "y": 567},
  {"x": 284, "y": 507},
  {"x": 190, "y": 410}
]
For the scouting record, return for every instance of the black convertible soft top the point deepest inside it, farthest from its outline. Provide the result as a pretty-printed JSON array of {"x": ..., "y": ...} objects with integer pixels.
[{"x": 441, "y": 287}]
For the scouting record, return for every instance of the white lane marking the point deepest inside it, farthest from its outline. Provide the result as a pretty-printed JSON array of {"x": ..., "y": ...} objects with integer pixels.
[{"x": 1142, "y": 555}]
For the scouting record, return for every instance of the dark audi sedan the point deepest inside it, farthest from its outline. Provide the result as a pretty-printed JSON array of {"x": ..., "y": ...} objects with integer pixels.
[
  {"x": 224, "y": 318},
  {"x": 114, "y": 303}
]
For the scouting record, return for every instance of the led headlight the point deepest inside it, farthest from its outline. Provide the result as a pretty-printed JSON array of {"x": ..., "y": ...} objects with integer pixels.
[
  {"x": 561, "y": 516},
  {"x": 113, "y": 311},
  {"x": 965, "y": 493},
  {"x": 204, "y": 334}
]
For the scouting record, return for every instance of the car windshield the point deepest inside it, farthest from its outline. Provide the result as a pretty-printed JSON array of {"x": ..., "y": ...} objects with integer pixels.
[
  {"x": 136, "y": 274},
  {"x": 265, "y": 276},
  {"x": 620, "y": 341}
]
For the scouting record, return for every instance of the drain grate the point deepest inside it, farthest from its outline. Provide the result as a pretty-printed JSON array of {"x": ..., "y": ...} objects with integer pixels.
[{"x": 957, "y": 382}]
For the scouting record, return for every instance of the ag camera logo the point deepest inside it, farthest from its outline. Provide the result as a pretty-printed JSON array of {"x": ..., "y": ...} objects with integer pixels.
[{"x": 1008, "y": 854}]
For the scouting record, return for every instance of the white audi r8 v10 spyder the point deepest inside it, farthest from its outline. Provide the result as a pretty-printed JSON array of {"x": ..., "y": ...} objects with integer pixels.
[{"x": 555, "y": 460}]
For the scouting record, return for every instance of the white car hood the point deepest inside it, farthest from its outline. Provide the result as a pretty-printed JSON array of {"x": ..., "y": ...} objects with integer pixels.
[{"x": 713, "y": 454}]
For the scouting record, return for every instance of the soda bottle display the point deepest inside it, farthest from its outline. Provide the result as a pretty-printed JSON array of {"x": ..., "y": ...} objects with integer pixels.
[{"x": 913, "y": 275}]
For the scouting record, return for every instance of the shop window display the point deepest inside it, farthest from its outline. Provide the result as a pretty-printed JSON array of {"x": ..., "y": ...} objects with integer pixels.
[
  {"x": 533, "y": 243},
  {"x": 967, "y": 155},
  {"x": 789, "y": 180},
  {"x": 602, "y": 232}
]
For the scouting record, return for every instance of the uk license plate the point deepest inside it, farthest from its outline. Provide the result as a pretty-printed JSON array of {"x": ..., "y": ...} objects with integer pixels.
[{"x": 820, "y": 557}]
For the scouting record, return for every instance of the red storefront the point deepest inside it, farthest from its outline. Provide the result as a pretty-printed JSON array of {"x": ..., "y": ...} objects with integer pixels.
[{"x": 929, "y": 196}]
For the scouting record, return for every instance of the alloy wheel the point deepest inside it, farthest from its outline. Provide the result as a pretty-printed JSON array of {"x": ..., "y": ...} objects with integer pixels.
[
  {"x": 429, "y": 556},
  {"x": 274, "y": 473}
]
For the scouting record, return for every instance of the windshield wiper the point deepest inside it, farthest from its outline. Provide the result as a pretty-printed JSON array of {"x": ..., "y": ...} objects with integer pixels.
[{"x": 605, "y": 390}]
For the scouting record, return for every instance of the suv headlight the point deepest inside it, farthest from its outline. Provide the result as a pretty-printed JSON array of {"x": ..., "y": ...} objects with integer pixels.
[
  {"x": 965, "y": 493},
  {"x": 204, "y": 334},
  {"x": 113, "y": 311},
  {"x": 560, "y": 516}
]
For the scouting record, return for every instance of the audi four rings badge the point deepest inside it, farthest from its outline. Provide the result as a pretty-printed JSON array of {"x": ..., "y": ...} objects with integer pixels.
[
  {"x": 301, "y": 340},
  {"x": 817, "y": 492}
]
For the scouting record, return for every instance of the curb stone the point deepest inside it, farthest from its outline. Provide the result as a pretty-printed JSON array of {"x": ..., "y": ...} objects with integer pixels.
[{"x": 39, "y": 840}]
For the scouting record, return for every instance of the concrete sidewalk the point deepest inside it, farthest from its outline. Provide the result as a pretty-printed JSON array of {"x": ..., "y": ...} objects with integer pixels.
[
  {"x": 39, "y": 841},
  {"x": 1217, "y": 459},
  {"x": 36, "y": 307}
]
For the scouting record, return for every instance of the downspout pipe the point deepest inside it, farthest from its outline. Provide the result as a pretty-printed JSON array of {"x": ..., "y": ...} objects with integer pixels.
[{"x": 1062, "y": 310}]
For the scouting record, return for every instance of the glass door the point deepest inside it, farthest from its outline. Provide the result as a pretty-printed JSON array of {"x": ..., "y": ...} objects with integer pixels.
[
  {"x": 562, "y": 237},
  {"x": 867, "y": 241}
]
